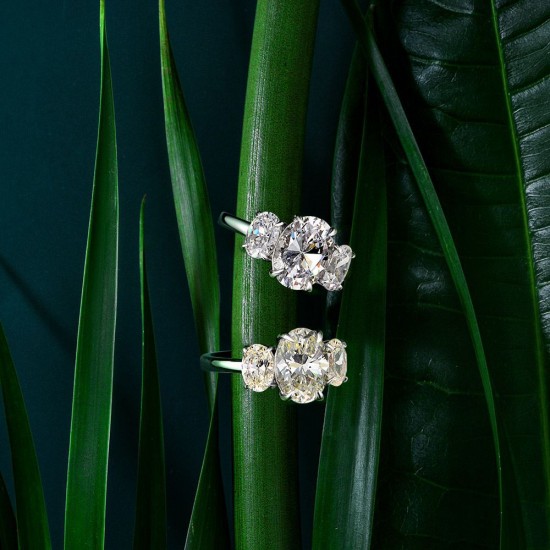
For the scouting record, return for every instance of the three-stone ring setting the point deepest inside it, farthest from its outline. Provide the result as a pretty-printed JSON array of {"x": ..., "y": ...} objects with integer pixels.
[
  {"x": 302, "y": 253},
  {"x": 301, "y": 365}
]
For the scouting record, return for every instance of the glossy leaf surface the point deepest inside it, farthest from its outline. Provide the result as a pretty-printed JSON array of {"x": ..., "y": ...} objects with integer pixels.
[
  {"x": 348, "y": 469},
  {"x": 93, "y": 383},
  {"x": 264, "y": 428},
  {"x": 208, "y": 526},
  {"x": 150, "y": 528},
  {"x": 32, "y": 519},
  {"x": 454, "y": 72}
]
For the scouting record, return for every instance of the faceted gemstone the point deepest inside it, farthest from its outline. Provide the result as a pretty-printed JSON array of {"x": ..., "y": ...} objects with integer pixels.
[
  {"x": 263, "y": 232},
  {"x": 301, "y": 365},
  {"x": 337, "y": 362},
  {"x": 336, "y": 267},
  {"x": 257, "y": 369},
  {"x": 300, "y": 253}
]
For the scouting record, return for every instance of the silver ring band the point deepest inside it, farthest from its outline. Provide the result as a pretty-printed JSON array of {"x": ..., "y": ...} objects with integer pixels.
[
  {"x": 237, "y": 225},
  {"x": 221, "y": 362}
]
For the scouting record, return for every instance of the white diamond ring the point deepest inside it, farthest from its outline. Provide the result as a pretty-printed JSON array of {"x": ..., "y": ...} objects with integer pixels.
[
  {"x": 301, "y": 365},
  {"x": 301, "y": 253}
]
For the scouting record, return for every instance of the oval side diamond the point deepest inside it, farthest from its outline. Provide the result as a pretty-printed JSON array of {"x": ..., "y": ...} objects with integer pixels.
[
  {"x": 337, "y": 361},
  {"x": 263, "y": 232},
  {"x": 257, "y": 367},
  {"x": 336, "y": 267}
]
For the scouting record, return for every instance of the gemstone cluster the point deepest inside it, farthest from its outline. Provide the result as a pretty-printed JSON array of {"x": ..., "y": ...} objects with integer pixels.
[
  {"x": 301, "y": 367},
  {"x": 302, "y": 253}
]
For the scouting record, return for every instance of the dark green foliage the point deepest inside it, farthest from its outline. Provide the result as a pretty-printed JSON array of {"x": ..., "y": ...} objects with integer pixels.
[
  {"x": 32, "y": 520},
  {"x": 150, "y": 528},
  {"x": 345, "y": 504}
]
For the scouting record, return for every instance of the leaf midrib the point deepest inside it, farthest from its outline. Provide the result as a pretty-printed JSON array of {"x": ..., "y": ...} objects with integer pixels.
[{"x": 539, "y": 344}]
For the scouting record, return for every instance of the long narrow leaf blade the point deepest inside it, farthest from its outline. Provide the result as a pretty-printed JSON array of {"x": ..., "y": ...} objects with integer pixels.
[
  {"x": 208, "y": 527},
  {"x": 93, "y": 383},
  {"x": 8, "y": 526},
  {"x": 191, "y": 201},
  {"x": 150, "y": 528},
  {"x": 433, "y": 205},
  {"x": 346, "y": 165},
  {"x": 264, "y": 429},
  {"x": 32, "y": 519},
  {"x": 348, "y": 468}
]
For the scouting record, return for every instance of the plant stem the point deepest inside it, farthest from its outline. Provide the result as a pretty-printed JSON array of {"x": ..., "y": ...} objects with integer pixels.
[{"x": 264, "y": 428}]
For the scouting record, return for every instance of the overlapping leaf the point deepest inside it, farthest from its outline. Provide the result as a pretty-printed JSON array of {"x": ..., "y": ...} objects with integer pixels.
[
  {"x": 476, "y": 101},
  {"x": 348, "y": 470}
]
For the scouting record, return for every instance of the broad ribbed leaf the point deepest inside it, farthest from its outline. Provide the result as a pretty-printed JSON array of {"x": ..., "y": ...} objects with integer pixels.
[
  {"x": 8, "y": 526},
  {"x": 93, "y": 383},
  {"x": 32, "y": 520},
  {"x": 264, "y": 428},
  {"x": 458, "y": 77},
  {"x": 522, "y": 35},
  {"x": 348, "y": 469},
  {"x": 150, "y": 528},
  {"x": 208, "y": 526}
]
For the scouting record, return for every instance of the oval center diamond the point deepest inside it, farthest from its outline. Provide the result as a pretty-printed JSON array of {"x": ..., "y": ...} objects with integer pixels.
[
  {"x": 299, "y": 256},
  {"x": 301, "y": 365}
]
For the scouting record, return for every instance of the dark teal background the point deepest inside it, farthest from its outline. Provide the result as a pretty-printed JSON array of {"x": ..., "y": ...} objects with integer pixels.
[{"x": 49, "y": 61}]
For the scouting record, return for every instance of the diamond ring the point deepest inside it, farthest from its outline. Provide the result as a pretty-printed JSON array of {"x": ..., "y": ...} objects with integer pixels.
[
  {"x": 301, "y": 365},
  {"x": 302, "y": 253}
]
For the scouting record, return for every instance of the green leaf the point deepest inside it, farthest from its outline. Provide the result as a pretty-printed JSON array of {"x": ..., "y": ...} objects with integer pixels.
[
  {"x": 264, "y": 428},
  {"x": 32, "y": 519},
  {"x": 8, "y": 527},
  {"x": 150, "y": 528},
  {"x": 522, "y": 378},
  {"x": 439, "y": 478},
  {"x": 434, "y": 209},
  {"x": 93, "y": 383},
  {"x": 196, "y": 229},
  {"x": 348, "y": 468},
  {"x": 346, "y": 164},
  {"x": 208, "y": 527}
]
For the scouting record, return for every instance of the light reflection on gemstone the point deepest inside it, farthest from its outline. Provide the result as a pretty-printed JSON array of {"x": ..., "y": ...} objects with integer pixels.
[
  {"x": 301, "y": 365},
  {"x": 257, "y": 367},
  {"x": 263, "y": 232},
  {"x": 300, "y": 252},
  {"x": 336, "y": 266}
]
